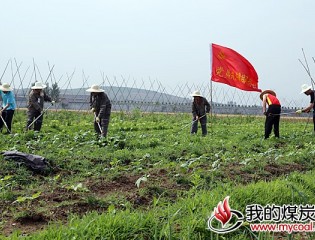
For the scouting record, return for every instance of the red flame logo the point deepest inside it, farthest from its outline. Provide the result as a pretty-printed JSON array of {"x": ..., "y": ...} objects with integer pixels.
[{"x": 223, "y": 212}]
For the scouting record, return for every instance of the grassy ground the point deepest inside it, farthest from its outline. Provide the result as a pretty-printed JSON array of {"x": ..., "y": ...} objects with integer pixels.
[{"x": 150, "y": 179}]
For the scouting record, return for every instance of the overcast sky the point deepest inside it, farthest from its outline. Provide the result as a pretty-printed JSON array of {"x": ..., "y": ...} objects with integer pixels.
[{"x": 167, "y": 40}]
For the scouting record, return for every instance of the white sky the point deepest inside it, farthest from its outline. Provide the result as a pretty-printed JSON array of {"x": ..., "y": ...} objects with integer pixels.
[{"x": 167, "y": 40}]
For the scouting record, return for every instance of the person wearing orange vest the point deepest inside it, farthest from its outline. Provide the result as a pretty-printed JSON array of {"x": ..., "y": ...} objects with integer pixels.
[{"x": 273, "y": 112}]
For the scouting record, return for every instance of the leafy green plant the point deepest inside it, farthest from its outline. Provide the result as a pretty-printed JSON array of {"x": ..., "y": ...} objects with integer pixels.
[
  {"x": 4, "y": 182},
  {"x": 142, "y": 179},
  {"x": 22, "y": 199},
  {"x": 77, "y": 188}
]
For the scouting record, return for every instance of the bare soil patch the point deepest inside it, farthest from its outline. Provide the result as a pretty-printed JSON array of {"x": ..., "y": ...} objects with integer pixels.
[
  {"x": 58, "y": 204},
  {"x": 236, "y": 171}
]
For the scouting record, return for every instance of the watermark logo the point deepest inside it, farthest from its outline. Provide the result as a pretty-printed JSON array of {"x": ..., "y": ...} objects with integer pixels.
[
  {"x": 224, "y": 219},
  {"x": 268, "y": 218},
  {"x": 285, "y": 218}
]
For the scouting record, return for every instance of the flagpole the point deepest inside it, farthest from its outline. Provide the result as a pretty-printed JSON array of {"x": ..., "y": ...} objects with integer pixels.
[{"x": 211, "y": 86}]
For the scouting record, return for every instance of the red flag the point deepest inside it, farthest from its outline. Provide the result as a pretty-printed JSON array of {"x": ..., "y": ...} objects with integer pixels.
[{"x": 231, "y": 68}]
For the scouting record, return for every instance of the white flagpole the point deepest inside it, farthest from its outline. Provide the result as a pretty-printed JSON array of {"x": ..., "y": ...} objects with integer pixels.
[{"x": 211, "y": 86}]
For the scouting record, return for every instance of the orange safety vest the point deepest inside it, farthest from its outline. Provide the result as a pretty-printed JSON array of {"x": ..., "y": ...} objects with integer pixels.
[{"x": 272, "y": 100}]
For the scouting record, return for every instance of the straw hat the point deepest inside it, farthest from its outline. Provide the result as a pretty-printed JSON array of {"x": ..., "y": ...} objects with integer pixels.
[
  {"x": 38, "y": 85},
  {"x": 305, "y": 88},
  {"x": 6, "y": 87},
  {"x": 196, "y": 94},
  {"x": 95, "y": 88},
  {"x": 268, "y": 91}
]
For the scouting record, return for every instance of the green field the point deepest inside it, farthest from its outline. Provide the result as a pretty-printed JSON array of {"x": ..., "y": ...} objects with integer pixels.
[{"x": 150, "y": 179}]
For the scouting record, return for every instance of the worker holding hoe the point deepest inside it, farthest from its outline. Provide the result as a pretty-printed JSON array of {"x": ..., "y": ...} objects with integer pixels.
[
  {"x": 35, "y": 108},
  {"x": 307, "y": 90},
  {"x": 272, "y": 113},
  {"x": 8, "y": 106},
  {"x": 101, "y": 107},
  {"x": 200, "y": 108}
]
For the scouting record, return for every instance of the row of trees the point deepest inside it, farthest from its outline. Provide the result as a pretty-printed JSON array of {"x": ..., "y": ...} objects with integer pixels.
[{"x": 53, "y": 91}]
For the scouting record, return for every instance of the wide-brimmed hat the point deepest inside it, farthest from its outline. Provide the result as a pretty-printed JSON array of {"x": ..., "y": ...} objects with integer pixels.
[
  {"x": 305, "y": 88},
  {"x": 268, "y": 91},
  {"x": 196, "y": 94},
  {"x": 38, "y": 85},
  {"x": 95, "y": 88},
  {"x": 6, "y": 87}
]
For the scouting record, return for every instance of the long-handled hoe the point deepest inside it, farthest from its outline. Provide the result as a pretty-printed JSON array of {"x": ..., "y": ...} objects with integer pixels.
[
  {"x": 5, "y": 124},
  {"x": 189, "y": 124},
  {"x": 281, "y": 114},
  {"x": 98, "y": 124},
  {"x": 28, "y": 127}
]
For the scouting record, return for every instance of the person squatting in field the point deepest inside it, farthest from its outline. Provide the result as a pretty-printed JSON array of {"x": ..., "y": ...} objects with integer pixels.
[
  {"x": 273, "y": 112},
  {"x": 307, "y": 90},
  {"x": 200, "y": 108},
  {"x": 35, "y": 107},
  {"x": 101, "y": 106},
  {"x": 8, "y": 107}
]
